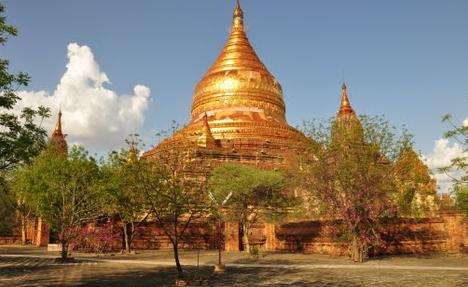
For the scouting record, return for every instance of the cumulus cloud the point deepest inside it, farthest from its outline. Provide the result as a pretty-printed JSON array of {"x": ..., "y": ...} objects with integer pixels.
[
  {"x": 93, "y": 114},
  {"x": 441, "y": 156}
]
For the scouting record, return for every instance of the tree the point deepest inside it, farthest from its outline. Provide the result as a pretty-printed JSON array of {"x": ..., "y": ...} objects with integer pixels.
[
  {"x": 21, "y": 139},
  {"x": 458, "y": 168},
  {"x": 124, "y": 198},
  {"x": 351, "y": 175},
  {"x": 249, "y": 195},
  {"x": 7, "y": 210},
  {"x": 390, "y": 139},
  {"x": 174, "y": 198},
  {"x": 416, "y": 190},
  {"x": 62, "y": 189}
]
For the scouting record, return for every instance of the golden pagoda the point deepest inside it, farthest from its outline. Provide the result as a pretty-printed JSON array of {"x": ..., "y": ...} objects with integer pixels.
[{"x": 238, "y": 111}]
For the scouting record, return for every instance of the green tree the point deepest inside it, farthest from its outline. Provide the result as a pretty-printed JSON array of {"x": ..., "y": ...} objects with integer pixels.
[
  {"x": 124, "y": 198},
  {"x": 249, "y": 194},
  {"x": 7, "y": 210},
  {"x": 350, "y": 175},
  {"x": 62, "y": 189},
  {"x": 416, "y": 190},
  {"x": 173, "y": 197},
  {"x": 458, "y": 168},
  {"x": 21, "y": 139},
  {"x": 390, "y": 139}
]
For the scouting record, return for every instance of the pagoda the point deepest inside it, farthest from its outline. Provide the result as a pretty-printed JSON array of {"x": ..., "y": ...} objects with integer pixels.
[{"x": 238, "y": 110}]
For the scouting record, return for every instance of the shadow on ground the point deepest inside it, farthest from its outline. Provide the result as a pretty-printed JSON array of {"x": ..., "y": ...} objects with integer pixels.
[{"x": 205, "y": 277}]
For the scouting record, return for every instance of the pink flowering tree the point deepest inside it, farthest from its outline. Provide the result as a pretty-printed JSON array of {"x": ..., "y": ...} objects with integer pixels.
[{"x": 349, "y": 177}]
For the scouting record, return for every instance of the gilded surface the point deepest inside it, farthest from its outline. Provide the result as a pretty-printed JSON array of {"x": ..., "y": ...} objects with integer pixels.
[{"x": 238, "y": 106}]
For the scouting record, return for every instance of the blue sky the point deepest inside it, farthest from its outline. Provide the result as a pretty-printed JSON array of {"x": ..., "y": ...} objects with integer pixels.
[{"x": 407, "y": 60}]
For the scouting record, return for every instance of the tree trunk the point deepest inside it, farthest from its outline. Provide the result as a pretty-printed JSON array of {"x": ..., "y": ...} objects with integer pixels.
[
  {"x": 23, "y": 230},
  {"x": 219, "y": 243},
  {"x": 357, "y": 250},
  {"x": 175, "y": 246},
  {"x": 64, "y": 252},
  {"x": 126, "y": 238},
  {"x": 245, "y": 237}
]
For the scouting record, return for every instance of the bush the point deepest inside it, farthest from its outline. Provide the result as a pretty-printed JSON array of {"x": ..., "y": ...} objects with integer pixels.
[{"x": 101, "y": 239}]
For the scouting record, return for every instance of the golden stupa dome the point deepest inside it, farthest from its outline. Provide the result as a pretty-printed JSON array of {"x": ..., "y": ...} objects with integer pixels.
[
  {"x": 238, "y": 105},
  {"x": 238, "y": 85}
]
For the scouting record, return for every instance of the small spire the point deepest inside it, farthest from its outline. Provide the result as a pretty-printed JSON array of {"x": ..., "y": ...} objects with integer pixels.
[
  {"x": 347, "y": 124},
  {"x": 345, "y": 106},
  {"x": 58, "y": 125},
  {"x": 206, "y": 139},
  {"x": 238, "y": 17},
  {"x": 58, "y": 138}
]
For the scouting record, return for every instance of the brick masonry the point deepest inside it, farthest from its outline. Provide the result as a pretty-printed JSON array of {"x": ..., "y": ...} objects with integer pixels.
[{"x": 447, "y": 233}]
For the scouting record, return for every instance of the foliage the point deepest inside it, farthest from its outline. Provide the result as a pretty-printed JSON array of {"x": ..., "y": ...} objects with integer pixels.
[
  {"x": 21, "y": 139},
  {"x": 376, "y": 130},
  {"x": 97, "y": 239},
  {"x": 416, "y": 190},
  {"x": 458, "y": 168},
  {"x": 62, "y": 191},
  {"x": 124, "y": 199},
  {"x": 174, "y": 198},
  {"x": 352, "y": 180},
  {"x": 249, "y": 194},
  {"x": 7, "y": 210}
]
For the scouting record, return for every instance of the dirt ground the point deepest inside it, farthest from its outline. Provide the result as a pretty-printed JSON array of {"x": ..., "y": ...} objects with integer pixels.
[{"x": 21, "y": 266}]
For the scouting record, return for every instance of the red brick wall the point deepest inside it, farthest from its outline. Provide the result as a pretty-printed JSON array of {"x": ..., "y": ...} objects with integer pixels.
[{"x": 447, "y": 233}]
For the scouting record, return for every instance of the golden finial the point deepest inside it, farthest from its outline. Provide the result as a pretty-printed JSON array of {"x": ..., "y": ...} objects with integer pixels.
[
  {"x": 238, "y": 17},
  {"x": 345, "y": 106}
]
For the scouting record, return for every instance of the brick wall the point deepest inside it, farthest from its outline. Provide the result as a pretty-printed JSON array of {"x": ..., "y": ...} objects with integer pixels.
[{"x": 445, "y": 234}]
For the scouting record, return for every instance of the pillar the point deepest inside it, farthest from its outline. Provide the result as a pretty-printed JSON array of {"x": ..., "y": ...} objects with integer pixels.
[
  {"x": 231, "y": 236},
  {"x": 42, "y": 233},
  {"x": 270, "y": 234},
  {"x": 456, "y": 228}
]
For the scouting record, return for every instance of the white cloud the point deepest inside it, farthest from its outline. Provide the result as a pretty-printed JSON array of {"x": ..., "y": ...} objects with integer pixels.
[
  {"x": 93, "y": 114},
  {"x": 441, "y": 156}
]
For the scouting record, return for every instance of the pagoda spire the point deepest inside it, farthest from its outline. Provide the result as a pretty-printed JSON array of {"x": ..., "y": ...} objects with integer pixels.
[
  {"x": 58, "y": 124},
  {"x": 347, "y": 125},
  {"x": 58, "y": 138},
  {"x": 206, "y": 138},
  {"x": 238, "y": 17},
  {"x": 345, "y": 105}
]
